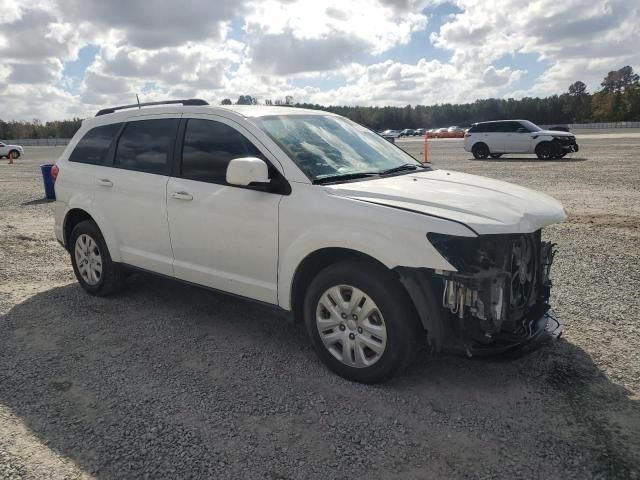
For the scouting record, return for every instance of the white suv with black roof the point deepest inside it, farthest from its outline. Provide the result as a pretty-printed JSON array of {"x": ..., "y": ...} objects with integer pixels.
[
  {"x": 494, "y": 139},
  {"x": 308, "y": 211}
]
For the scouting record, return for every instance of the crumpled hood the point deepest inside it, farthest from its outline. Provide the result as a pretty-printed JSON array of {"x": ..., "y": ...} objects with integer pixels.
[
  {"x": 487, "y": 206},
  {"x": 555, "y": 133}
]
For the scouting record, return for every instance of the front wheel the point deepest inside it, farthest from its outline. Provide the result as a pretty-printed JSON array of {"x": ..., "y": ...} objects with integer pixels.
[
  {"x": 13, "y": 154},
  {"x": 92, "y": 264},
  {"x": 545, "y": 151},
  {"x": 361, "y": 321}
]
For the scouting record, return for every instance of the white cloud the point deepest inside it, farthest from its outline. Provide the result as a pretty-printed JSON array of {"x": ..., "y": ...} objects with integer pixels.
[
  {"x": 582, "y": 40},
  {"x": 274, "y": 48}
]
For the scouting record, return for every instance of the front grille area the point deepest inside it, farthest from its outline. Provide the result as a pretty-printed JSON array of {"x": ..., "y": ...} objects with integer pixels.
[{"x": 500, "y": 278}]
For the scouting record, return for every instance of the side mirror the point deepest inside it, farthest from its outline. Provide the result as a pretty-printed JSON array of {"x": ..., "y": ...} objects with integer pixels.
[{"x": 247, "y": 171}]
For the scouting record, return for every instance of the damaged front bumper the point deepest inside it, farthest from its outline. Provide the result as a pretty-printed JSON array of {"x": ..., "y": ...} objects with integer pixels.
[{"x": 497, "y": 301}]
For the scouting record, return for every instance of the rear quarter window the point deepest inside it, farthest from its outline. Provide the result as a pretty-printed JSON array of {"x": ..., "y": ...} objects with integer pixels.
[
  {"x": 479, "y": 128},
  {"x": 93, "y": 148}
]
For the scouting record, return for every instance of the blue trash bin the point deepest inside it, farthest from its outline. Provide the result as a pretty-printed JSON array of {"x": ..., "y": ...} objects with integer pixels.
[{"x": 49, "y": 190}]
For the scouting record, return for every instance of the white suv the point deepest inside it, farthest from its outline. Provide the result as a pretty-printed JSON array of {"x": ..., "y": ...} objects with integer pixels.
[
  {"x": 517, "y": 136},
  {"x": 306, "y": 210},
  {"x": 10, "y": 151}
]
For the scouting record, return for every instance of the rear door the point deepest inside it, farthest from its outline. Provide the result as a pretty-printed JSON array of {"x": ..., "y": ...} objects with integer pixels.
[
  {"x": 490, "y": 134},
  {"x": 131, "y": 192},
  {"x": 223, "y": 236}
]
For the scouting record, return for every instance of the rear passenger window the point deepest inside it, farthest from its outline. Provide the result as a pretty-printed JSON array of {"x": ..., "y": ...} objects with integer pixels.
[
  {"x": 502, "y": 127},
  {"x": 145, "y": 144},
  {"x": 94, "y": 146},
  {"x": 208, "y": 148}
]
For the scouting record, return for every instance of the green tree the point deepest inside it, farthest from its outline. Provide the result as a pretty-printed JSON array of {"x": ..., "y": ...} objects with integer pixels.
[
  {"x": 246, "y": 100},
  {"x": 616, "y": 81},
  {"x": 577, "y": 89}
]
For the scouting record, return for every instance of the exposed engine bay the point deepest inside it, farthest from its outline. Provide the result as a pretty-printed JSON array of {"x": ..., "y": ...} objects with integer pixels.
[{"x": 499, "y": 294}]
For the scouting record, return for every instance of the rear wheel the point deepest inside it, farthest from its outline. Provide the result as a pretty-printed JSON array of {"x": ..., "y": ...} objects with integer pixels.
[
  {"x": 545, "y": 151},
  {"x": 480, "y": 151},
  {"x": 361, "y": 321},
  {"x": 92, "y": 264},
  {"x": 496, "y": 155}
]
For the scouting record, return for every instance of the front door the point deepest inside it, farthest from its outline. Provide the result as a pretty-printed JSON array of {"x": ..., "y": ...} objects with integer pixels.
[
  {"x": 517, "y": 138},
  {"x": 223, "y": 236}
]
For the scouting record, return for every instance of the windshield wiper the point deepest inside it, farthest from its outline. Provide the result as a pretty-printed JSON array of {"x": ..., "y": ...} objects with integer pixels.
[
  {"x": 401, "y": 168},
  {"x": 344, "y": 177}
]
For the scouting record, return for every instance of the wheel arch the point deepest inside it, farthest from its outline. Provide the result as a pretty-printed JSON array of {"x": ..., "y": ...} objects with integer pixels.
[
  {"x": 72, "y": 218},
  {"x": 313, "y": 263}
]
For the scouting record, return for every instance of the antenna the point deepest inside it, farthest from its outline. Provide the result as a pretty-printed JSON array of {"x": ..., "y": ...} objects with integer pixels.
[{"x": 139, "y": 106}]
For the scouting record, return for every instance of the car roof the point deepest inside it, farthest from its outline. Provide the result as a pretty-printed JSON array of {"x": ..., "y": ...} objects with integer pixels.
[
  {"x": 246, "y": 111},
  {"x": 499, "y": 121}
]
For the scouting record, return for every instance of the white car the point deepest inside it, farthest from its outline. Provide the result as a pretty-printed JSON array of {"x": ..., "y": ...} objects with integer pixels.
[
  {"x": 391, "y": 133},
  {"x": 493, "y": 139},
  {"x": 10, "y": 151},
  {"x": 313, "y": 213}
]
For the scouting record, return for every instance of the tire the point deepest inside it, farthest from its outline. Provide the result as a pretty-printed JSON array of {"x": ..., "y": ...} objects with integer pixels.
[
  {"x": 495, "y": 155},
  {"x": 14, "y": 154},
  {"x": 90, "y": 255},
  {"x": 558, "y": 156},
  {"x": 390, "y": 325},
  {"x": 545, "y": 151},
  {"x": 480, "y": 151}
]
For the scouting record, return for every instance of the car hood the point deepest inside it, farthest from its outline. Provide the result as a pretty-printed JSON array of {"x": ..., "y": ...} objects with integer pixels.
[
  {"x": 555, "y": 133},
  {"x": 485, "y": 205}
]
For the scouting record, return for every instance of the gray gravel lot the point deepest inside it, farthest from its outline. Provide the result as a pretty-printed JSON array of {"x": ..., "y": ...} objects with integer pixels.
[{"x": 169, "y": 381}]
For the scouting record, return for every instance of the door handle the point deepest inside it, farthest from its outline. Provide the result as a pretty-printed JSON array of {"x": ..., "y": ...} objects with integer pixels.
[
  {"x": 181, "y": 196},
  {"x": 104, "y": 182}
]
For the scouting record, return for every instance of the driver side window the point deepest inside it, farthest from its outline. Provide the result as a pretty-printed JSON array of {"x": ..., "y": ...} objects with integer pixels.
[{"x": 208, "y": 148}]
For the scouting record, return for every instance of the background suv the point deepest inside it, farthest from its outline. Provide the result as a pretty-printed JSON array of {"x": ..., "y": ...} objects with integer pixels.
[
  {"x": 308, "y": 211},
  {"x": 493, "y": 139},
  {"x": 10, "y": 151}
]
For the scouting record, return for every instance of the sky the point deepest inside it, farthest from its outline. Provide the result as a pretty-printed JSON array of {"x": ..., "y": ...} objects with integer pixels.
[{"x": 66, "y": 58}]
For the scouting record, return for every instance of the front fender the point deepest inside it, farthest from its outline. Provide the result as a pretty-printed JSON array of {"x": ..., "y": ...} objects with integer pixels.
[{"x": 391, "y": 236}]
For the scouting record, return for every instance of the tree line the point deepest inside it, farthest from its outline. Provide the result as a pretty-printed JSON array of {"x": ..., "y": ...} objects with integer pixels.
[
  {"x": 618, "y": 100},
  {"x": 37, "y": 129}
]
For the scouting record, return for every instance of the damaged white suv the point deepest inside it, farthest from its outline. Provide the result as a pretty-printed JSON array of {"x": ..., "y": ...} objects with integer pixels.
[{"x": 306, "y": 210}]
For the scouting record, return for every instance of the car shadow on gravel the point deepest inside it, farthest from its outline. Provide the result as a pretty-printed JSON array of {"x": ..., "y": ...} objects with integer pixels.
[
  {"x": 170, "y": 380},
  {"x": 38, "y": 201}
]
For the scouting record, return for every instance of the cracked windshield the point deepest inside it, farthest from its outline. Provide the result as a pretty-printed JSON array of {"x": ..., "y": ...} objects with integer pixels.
[{"x": 325, "y": 147}]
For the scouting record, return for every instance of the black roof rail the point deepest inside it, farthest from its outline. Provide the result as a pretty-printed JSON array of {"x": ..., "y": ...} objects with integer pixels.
[{"x": 187, "y": 102}]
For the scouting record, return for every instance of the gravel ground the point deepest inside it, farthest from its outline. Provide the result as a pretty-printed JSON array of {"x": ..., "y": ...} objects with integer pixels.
[{"x": 169, "y": 381}]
